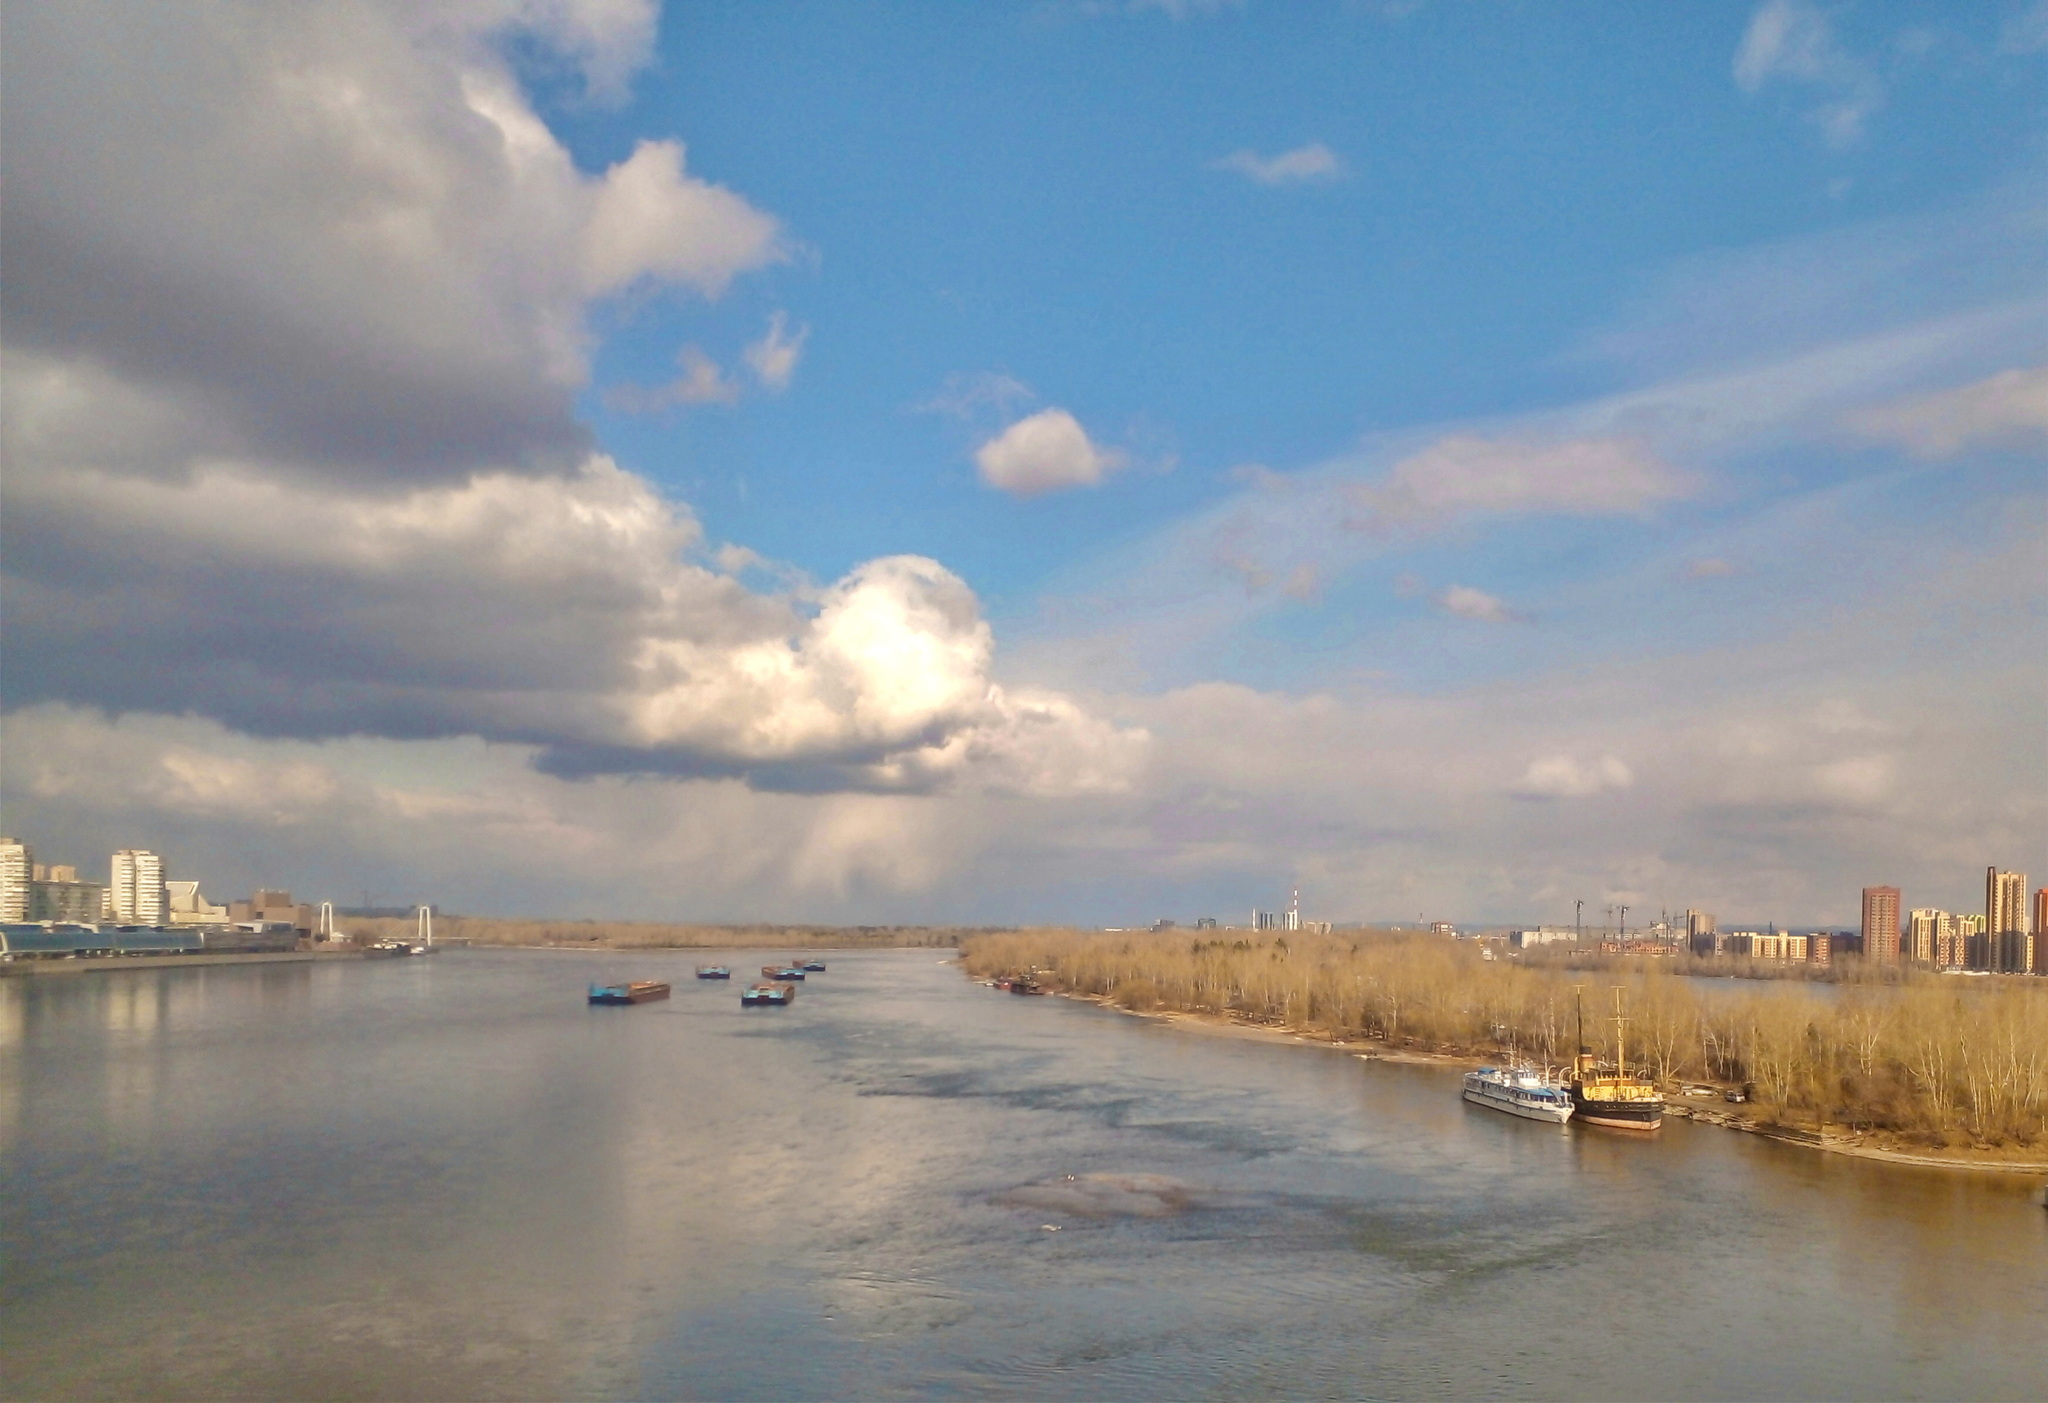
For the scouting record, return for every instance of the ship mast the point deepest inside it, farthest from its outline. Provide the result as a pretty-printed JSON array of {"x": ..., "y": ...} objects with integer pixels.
[
  {"x": 1579, "y": 1009},
  {"x": 1620, "y": 1052}
]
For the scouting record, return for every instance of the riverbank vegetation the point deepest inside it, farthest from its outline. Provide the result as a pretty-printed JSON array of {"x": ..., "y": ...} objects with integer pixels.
[
  {"x": 1928, "y": 1061},
  {"x": 648, "y": 935}
]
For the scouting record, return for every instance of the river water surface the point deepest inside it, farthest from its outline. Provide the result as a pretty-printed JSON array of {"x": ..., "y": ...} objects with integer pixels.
[{"x": 451, "y": 1178}]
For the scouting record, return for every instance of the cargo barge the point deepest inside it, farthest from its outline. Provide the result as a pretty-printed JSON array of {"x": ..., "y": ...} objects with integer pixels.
[{"x": 639, "y": 991}]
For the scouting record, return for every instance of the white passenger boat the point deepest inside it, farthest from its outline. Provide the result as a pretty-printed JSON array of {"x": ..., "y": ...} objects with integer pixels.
[{"x": 1520, "y": 1091}]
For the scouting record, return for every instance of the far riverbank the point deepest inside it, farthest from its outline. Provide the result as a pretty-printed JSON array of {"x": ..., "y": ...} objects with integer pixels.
[
  {"x": 1923, "y": 1072},
  {"x": 1712, "y": 1112},
  {"x": 506, "y": 933}
]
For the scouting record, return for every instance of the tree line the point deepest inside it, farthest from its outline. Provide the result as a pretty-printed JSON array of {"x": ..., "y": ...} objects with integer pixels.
[{"x": 1937, "y": 1060}]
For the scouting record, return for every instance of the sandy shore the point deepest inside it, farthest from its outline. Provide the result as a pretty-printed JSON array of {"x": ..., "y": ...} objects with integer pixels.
[{"x": 1709, "y": 1113}]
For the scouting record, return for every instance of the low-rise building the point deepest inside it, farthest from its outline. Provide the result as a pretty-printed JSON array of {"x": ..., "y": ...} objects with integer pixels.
[
  {"x": 272, "y": 907},
  {"x": 1529, "y": 938},
  {"x": 189, "y": 908}
]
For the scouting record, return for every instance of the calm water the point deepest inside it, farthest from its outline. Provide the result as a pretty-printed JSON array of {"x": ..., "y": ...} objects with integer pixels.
[{"x": 451, "y": 1178}]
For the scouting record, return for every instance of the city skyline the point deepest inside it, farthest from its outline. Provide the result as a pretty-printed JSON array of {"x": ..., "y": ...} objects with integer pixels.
[{"x": 706, "y": 464}]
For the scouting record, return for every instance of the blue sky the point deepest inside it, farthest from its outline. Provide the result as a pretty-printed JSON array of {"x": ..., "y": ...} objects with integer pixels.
[
  {"x": 1033, "y": 192},
  {"x": 1066, "y": 462}
]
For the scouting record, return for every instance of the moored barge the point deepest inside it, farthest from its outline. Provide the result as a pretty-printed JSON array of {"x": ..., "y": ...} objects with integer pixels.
[
  {"x": 713, "y": 972},
  {"x": 639, "y": 991},
  {"x": 768, "y": 995}
]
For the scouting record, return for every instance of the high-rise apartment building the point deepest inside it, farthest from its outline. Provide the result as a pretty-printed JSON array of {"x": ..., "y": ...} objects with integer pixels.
[
  {"x": 17, "y": 870},
  {"x": 1921, "y": 927},
  {"x": 2041, "y": 930},
  {"x": 1881, "y": 924},
  {"x": 136, "y": 890},
  {"x": 1949, "y": 949},
  {"x": 1700, "y": 935},
  {"x": 2005, "y": 921}
]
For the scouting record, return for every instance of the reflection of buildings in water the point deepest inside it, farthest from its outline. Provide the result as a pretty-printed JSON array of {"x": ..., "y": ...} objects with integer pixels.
[
  {"x": 13, "y": 1017},
  {"x": 133, "y": 1006}
]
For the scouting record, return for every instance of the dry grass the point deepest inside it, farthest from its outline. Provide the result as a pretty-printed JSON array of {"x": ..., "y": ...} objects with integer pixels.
[{"x": 1932, "y": 1060}]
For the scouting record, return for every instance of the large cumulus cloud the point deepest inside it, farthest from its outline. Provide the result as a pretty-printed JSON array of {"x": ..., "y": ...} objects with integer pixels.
[{"x": 296, "y": 307}]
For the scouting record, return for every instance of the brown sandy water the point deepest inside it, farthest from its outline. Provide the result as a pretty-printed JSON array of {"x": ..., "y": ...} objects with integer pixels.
[{"x": 451, "y": 1178}]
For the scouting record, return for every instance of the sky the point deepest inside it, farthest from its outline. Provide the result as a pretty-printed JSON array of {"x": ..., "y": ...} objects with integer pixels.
[{"x": 1050, "y": 462}]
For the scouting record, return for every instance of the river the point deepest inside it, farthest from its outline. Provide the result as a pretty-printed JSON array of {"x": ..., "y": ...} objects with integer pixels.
[{"x": 451, "y": 1178}]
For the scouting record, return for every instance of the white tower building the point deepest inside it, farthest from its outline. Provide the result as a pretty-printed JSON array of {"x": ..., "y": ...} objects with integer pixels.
[
  {"x": 17, "y": 869},
  {"x": 136, "y": 890}
]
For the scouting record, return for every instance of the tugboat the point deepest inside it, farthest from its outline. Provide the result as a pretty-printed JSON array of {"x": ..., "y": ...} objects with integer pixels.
[
  {"x": 713, "y": 972},
  {"x": 1520, "y": 1091},
  {"x": 640, "y": 991},
  {"x": 768, "y": 996},
  {"x": 781, "y": 973},
  {"x": 1613, "y": 1098}
]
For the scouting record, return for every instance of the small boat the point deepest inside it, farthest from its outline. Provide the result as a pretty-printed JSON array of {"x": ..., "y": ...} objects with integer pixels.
[
  {"x": 781, "y": 973},
  {"x": 1520, "y": 1091},
  {"x": 813, "y": 966},
  {"x": 713, "y": 972},
  {"x": 639, "y": 991},
  {"x": 1022, "y": 986},
  {"x": 393, "y": 949},
  {"x": 768, "y": 996}
]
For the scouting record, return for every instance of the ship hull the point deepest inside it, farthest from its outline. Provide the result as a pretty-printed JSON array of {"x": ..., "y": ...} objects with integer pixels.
[
  {"x": 1620, "y": 1115},
  {"x": 1555, "y": 1115}
]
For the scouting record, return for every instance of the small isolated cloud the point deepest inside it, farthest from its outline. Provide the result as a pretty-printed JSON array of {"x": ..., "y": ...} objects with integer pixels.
[
  {"x": 640, "y": 206},
  {"x": 1792, "y": 41},
  {"x": 1469, "y": 603},
  {"x": 701, "y": 382},
  {"x": 982, "y": 393},
  {"x": 773, "y": 358},
  {"x": 1564, "y": 777},
  {"x": 1711, "y": 568},
  {"x": 1048, "y": 452},
  {"x": 2009, "y": 410},
  {"x": 1302, "y": 165},
  {"x": 1465, "y": 475}
]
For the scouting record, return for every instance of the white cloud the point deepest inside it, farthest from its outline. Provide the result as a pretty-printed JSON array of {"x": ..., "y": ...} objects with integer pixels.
[
  {"x": 561, "y": 613},
  {"x": 1563, "y": 777},
  {"x": 389, "y": 270},
  {"x": 643, "y": 202},
  {"x": 2007, "y": 410},
  {"x": 1791, "y": 40},
  {"x": 1466, "y": 475},
  {"x": 774, "y": 357},
  {"x": 1047, "y": 452},
  {"x": 973, "y": 396},
  {"x": 702, "y": 382},
  {"x": 1469, "y": 603},
  {"x": 1304, "y": 164}
]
